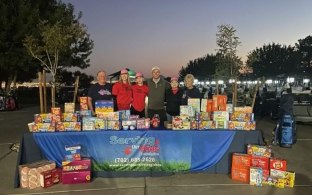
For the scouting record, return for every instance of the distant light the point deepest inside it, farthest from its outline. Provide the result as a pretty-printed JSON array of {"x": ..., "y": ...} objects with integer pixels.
[
  {"x": 202, "y": 82},
  {"x": 231, "y": 80},
  {"x": 244, "y": 82},
  {"x": 181, "y": 83},
  {"x": 238, "y": 82},
  {"x": 195, "y": 81},
  {"x": 207, "y": 82},
  {"x": 213, "y": 82},
  {"x": 306, "y": 80},
  {"x": 249, "y": 82},
  {"x": 290, "y": 79},
  {"x": 220, "y": 82},
  {"x": 269, "y": 81}
]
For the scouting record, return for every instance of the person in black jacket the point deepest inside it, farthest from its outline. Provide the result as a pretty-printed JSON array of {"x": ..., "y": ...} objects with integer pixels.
[
  {"x": 173, "y": 99},
  {"x": 190, "y": 91}
]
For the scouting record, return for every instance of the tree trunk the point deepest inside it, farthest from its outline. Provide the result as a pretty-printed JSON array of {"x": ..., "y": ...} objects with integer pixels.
[{"x": 53, "y": 91}]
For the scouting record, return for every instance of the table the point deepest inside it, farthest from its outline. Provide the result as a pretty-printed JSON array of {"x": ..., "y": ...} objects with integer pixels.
[{"x": 142, "y": 153}]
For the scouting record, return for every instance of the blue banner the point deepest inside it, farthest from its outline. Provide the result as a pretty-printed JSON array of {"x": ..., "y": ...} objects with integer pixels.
[{"x": 161, "y": 150}]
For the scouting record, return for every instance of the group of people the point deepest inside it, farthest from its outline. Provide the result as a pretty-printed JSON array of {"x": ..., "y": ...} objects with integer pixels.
[{"x": 164, "y": 98}]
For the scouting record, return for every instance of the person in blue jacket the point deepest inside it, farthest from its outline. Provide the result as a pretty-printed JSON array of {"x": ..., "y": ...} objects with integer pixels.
[{"x": 190, "y": 91}]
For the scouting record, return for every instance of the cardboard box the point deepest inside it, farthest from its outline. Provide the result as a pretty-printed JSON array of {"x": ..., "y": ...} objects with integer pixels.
[
  {"x": 128, "y": 124},
  {"x": 68, "y": 126},
  {"x": 69, "y": 107},
  {"x": 246, "y": 109},
  {"x": 221, "y": 124},
  {"x": 100, "y": 124},
  {"x": 220, "y": 115},
  {"x": 241, "y": 174},
  {"x": 270, "y": 181},
  {"x": 195, "y": 103},
  {"x": 219, "y": 102},
  {"x": 278, "y": 164},
  {"x": 88, "y": 123},
  {"x": 72, "y": 153},
  {"x": 259, "y": 150},
  {"x": 76, "y": 165},
  {"x": 43, "y": 118},
  {"x": 85, "y": 113},
  {"x": 289, "y": 177},
  {"x": 187, "y": 111},
  {"x": 70, "y": 117},
  {"x": 76, "y": 177},
  {"x": 113, "y": 125},
  {"x": 179, "y": 124},
  {"x": 240, "y": 160},
  {"x": 41, "y": 127},
  {"x": 205, "y": 116},
  {"x": 83, "y": 103},
  {"x": 203, "y": 105},
  {"x": 238, "y": 125},
  {"x": 260, "y": 161},
  {"x": 143, "y": 123},
  {"x": 255, "y": 176},
  {"x": 241, "y": 116},
  {"x": 50, "y": 177},
  {"x": 206, "y": 125},
  {"x": 209, "y": 106},
  {"x": 104, "y": 106}
]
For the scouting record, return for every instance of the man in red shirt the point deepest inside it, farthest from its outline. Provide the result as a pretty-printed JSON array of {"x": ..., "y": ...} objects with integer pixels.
[{"x": 139, "y": 92}]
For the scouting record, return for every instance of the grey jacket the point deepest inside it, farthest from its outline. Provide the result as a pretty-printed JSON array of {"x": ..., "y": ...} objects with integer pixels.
[{"x": 156, "y": 95}]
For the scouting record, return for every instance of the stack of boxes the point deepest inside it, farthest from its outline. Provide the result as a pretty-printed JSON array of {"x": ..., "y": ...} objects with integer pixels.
[
  {"x": 70, "y": 119},
  {"x": 258, "y": 168}
]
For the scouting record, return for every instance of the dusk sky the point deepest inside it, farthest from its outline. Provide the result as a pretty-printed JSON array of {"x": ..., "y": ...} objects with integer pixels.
[{"x": 140, "y": 34}]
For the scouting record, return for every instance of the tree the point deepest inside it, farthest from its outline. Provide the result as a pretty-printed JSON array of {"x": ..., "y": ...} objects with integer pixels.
[
  {"x": 228, "y": 62},
  {"x": 272, "y": 60},
  {"x": 304, "y": 47},
  {"x": 202, "y": 68},
  {"x": 54, "y": 42}
]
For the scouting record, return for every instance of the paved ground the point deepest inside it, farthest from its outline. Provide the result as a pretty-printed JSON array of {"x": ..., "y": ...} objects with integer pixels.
[{"x": 299, "y": 159}]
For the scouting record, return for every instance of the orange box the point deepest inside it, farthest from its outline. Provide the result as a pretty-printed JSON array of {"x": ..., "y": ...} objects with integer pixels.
[
  {"x": 83, "y": 103},
  {"x": 241, "y": 160},
  {"x": 209, "y": 106},
  {"x": 219, "y": 102},
  {"x": 278, "y": 164},
  {"x": 260, "y": 161},
  {"x": 56, "y": 111},
  {"x": 241, "y": 174}
]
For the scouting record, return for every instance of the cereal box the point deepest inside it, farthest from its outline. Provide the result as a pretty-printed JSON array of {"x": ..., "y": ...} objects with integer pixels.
[
  {"x": 241, "y": 174},
  {"x": 143, "y": 123},
  {"x": 271, "y": 181},
  {"x": 124, "y": 114},
  {"x": 50, "y": 177},
  {"x": 68, "y": 126},
  {"x": 56, "y": 111},
  {"x": 260, "y": 161},
  {"x": 229, "y": 108},
  {"x": 220, "y": 115},
  {"x": 187, "y": 111},
  {"x": 203, "y": 105},
  {"x": 255, "y": 176},
  {"x": 104, "y": 106},
  {"x": 113, "y": 125},
  {"x": 219, "y": 102},
  {"x": 195, "y": 103},
  {"x": 241, "y": 160},
  {"x": 43, "y": 118},
  {"x": 289, "y": 177},
  {"x": 56, "y": 118},
  {"x": 205, "y": 116},
  {"x": 278, "y": 164},
  {"x": 84, "y": 113},
  {"x": 88, "y": 123},
  {"x": 206, "y": 125},
  {"x": 70, "y": 117},
  {"x": 83, "y": 103},
  {"x": 259, "y": 150},
  {"x": 69, "y": 107},
  {"x": 238, "y": 125},
  {"x": 209, "y": 106},
  {"x": 246, "y": 109},
  {"x": 179, "y": 124},
  {"x": 128, "y": 124},
  {"x": 241, "y": 116},
  {"x": 109, "y": 115},
  {"x": 221, "y": 124},
  {"x": 41, "y": 127},
  {"x": 100, "y": 124},
  {"x": 72, "y": 153},
  {"x": 194, "y": 124}
]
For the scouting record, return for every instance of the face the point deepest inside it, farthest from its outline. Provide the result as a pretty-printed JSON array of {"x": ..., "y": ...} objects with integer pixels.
[
  {"x": 101, "y": 77},
  {"x": 155, "y": 74},
  {"x": 124, "y": 77},
  {"x": 188, "y": 83},
  {"x": 174, "y": 84},
  {"x": 139, "y": 80}
]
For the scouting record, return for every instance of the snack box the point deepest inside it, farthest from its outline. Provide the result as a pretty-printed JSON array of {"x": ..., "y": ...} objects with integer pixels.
[
  {"x": 100, "y": 124},
  {"x": 143, "y": 123},
  {"x": 195, "y": 103},
  {"x": 56, "y": 111},
  {"x": 72, "y": 153},
  {"x": 76, "y": 165},
  {"x": 246, "y": 109},
  {"x": 209, "y": 106},
  {"x": 229, "y": 108},
  {"x": 41, "y": 127},
  {"x": 88, "y": 123},
  {"x": 259, "y": 150},
  {"x": 69, "y": 107},
  {"x": 104, "y": 106},
  {"x": 203, "y": 105},
  {"x": 241, "y": 116},
  {"x": 129, "y": 124},
  {"x": 43, "y": 118},
  {"x": 260, "y": 161},
  {"x": 50, "y": 177},
  {"x": 255, "y": 176},
  {"x": 206, "y": 125},
  {"x": 205, "y": 116},
  {"x": 241, "y": 174},
  {"x": 220, "y": 115},
  {"x": 56, "y": 118},
  {"x": 68, "y": 126},
  {"x": 30, "y": 173},
  {"x": 221, "y": 124},
  {"x": 85, "y": 113},
  {"x": 238, "y": 125},
  {"x": 194, "y": 124},
  {"x": 241, "y": 160},
  {"x": 76, "y": 177},
  {"x": 278, "y": 164},
  {"x": 113, "y": 125},
  {"x": 70, "y": 117},
  {"x": 179, "y": 124},
  {"x": 270, "y": 181},
  {"x": 187, "y": 111},
  {"x": 109, "y": 115},
  {"x": 289, "y": 177},
  {"x": 83, "y": 103},
  {"x": 219, "y": 102}
]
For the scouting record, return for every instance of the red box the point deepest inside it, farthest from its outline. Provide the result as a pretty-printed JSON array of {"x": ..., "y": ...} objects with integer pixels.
[
  {"x": 209, "y": 106},
  {"x": 219, "y": 102},
  {"x": 241, "y": 160},
  {"x": 51, "y": 177},
  {"x": 76, "y": 177},
  {"x": 260, "y": 161},
  {"x": 241, "y": 174},
  {"x": 77, "y": 165},
  {"x": 278, "y": 164}
]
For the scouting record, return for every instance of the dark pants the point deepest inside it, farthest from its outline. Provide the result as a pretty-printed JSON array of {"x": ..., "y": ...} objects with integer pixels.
[
  {"x": 135, "y": 112},
  {"x": 161, "y": 113}
]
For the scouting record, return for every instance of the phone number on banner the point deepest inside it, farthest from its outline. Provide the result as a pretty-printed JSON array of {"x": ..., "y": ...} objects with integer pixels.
[{"x": 134, "y": 160}]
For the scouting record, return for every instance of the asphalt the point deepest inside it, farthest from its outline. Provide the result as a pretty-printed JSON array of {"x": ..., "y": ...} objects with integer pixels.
[{"x": 299, "y": 159}]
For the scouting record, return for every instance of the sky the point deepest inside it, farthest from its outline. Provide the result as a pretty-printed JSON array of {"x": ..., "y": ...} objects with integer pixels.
[{"x": 140, "y": 34}]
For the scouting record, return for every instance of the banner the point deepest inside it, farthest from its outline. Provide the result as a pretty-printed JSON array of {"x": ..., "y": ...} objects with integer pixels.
[{"x": 161, "y": 150}]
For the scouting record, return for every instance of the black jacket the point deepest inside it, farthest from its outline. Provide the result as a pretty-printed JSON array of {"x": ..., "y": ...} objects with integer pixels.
[
  {"x": 173, "y": 102},
  {"x": 190, "y": 93}
]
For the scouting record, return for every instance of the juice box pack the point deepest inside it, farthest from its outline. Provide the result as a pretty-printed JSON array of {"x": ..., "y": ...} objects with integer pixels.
[{"x": 259, "y": 150}]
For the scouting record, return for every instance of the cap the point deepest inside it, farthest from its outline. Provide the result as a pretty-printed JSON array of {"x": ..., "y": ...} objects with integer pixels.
[
  {"x": 155, "y": 68},
  {"x": 138, "y": 74},
  {"x": 174, "y": 79},
  {"x": 124, "y": 71}
]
